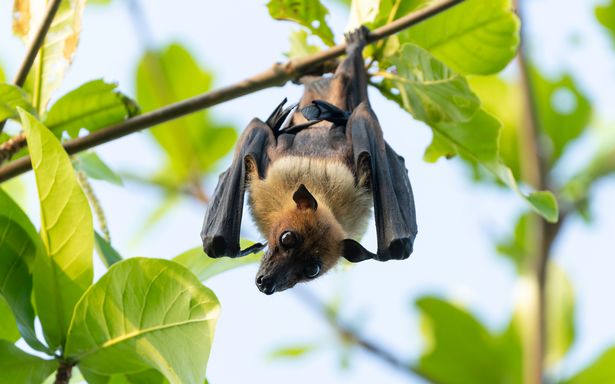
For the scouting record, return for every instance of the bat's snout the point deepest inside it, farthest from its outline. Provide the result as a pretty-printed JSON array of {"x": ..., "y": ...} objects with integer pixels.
[{"x": 265, "y": 284}]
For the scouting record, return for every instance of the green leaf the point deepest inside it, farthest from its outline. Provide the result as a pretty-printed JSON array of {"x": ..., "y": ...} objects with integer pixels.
[
  {"x": 429, "y": 90},
  {"x": 606, "y": 16},
  {"x": 2, "y": 76},
  {"x": 563, "y": 111},
  {"x": 66, "y": 229},
  {"x": 193, "y": 144},
  {"x": 95, "y": 168},
  {"x": 205, "y": 267},
  {"x": 503, "y": 100},
  {"x": 8, "y": 324},
  {"x": 145, "y": 313},
  {"x": 517, "y": 247},
  {"x": 293, "y": 351},
  {"x": 12, "y": 97},
  {"x": 460, "y": 349},
  {"x": 20, "y": 245},
  {"x": 19, "y": 367},
  {"x": 600, "y": 371},
  {"x": 92, "y": 106},
  {"x": 299, "y": 45},
  {"x": 107, "y": 253},
  {"x": 560, "y": 327},
  {"x": 309, "y": 13},
  {"x": 474, "y": 37},
  {"x": 58, "y": 49}
]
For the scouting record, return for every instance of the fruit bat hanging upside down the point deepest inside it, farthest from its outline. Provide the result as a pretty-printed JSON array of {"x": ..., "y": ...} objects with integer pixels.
[{"x": 312, "y": 182}]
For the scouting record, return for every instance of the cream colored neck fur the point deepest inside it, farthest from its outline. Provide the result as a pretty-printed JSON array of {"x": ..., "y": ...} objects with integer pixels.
[{"x": 328, "y": 180}]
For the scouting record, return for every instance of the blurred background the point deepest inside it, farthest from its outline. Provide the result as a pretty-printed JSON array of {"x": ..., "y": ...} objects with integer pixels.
[{"x": 162, "y": 51}]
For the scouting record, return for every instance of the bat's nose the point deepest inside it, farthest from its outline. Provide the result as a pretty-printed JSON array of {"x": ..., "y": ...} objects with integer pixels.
[{"x": 265, "y": 284}]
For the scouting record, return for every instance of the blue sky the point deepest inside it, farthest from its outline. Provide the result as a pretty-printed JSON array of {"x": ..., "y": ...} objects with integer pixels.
[{"x": 458, "y": 220}]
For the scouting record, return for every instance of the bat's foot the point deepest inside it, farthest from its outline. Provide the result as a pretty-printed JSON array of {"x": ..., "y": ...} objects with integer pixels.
[{"x": 357, "y": 38}]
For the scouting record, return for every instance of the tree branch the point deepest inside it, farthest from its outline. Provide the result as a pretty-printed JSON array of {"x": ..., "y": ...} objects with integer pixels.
[
  {"x": 277, "y": 75},
  {"x": 349, "y": 334},
  {"x": 35, "y": 46}
]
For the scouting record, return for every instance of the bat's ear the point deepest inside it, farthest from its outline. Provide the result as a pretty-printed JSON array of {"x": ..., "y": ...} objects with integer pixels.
[
  {"x": 304, "y": 198},
  {"x": 354, "y": 252}
]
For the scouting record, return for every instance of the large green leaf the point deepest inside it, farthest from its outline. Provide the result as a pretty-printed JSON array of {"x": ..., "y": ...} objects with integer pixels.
[
  {"x": 429, "y": 90},
  {"x": 474, "y": 37},
  {"x": 19, "y": 246},
  {"x": 459, "y": 349},
  {"x": 560, "y": 327},
  {"x": 606, "y": 16},
  {"x": 58, "y": 49},
  {"x": 66, "y": 229},
  {"x": 205, "y": 267},
  {"x": 145, "y": 313},
  {"x": 194, "y": 143},
  {"x": 19, "y": 367},
  {"x": 309, "y": 13},
  {"x": 12, "y": 97},
  {"x": 563, "y": 111},
  {"x": 95, "y": 168},
  {"x": 92, "y": 106},
  {"x": 600, "y": 371},
  {"x": 452, "y": 110},
  {"x": 8, "y": 324}
]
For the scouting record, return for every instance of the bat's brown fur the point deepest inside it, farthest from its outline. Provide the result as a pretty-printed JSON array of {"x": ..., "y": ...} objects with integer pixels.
[{"x": 344, "y": 207}]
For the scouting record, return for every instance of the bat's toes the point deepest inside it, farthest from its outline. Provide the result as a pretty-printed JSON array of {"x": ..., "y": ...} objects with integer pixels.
[{"x": 357, "y": 37}]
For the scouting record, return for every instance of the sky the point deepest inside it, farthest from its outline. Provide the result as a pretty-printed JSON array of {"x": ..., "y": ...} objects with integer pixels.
[{"x": 458, "y": 221}]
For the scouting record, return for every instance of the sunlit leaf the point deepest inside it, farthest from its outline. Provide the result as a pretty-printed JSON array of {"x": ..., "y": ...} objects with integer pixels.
[
  {"x": 429, "y": 90},
  {"x": 145, "y": 313},
  {"x": 8, "y": 324},
  {"x": 92, "y": 106},
  {"x": 600, "y": 371},
  {"x": 308, "y": 13},
  {"x": 474, "y": 37},
  {"x": 56, "y": 53},
  {"x": 2, "y": 76},
  {"x": 503, "y": 100},
  {"x": 18, "y": 367},
  {"x": 299, "y": 45},
  {"x": 66, "y": 229},
  {"x": 205, "y": 267},
  {"x": 563, "y": 111},
  {"x": 560, "y": 326},
  {"x": 194, "y": 143},
  {"x": 606, "y": 16},
  {"x": 461, "y": 350},
  {"x": 20, "y": 245},
  {"x": 12, "y": 97},
  {"x": 95, "y": 168},
  {"x": 107, "y": 253}
]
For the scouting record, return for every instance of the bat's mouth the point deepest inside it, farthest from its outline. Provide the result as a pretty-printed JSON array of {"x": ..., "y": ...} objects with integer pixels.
[{"x": 268, "y": 285}]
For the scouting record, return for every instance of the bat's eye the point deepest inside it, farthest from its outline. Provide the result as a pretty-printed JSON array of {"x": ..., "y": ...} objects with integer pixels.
[
  {"x": 312, "y": 270},
  {"x": 288, "y": 239}
]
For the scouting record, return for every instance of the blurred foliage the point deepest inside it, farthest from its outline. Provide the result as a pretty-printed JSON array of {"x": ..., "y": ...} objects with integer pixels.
[
  {"x": 93, "y": 166},
  {"x": 600, "y": 371},
  {"x": 606, "y": 16},
  {"x": 309, "y": 13}
]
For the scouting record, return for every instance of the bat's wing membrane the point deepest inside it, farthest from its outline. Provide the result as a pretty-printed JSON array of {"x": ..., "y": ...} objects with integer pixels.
[
  {"x": 393, "y": 200},
  {"x": 222, "y": 224}
]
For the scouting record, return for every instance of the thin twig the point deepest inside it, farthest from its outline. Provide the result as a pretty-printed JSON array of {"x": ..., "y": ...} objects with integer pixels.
[
  {"x": 277, "y": 75},
  {"x": 535, "y": 172},
  {"x": 348, "y": 333},
  {"x": 35, "y": 46}
]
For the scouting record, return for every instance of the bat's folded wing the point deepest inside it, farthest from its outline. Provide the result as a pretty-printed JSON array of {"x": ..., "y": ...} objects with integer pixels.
[
  {"x": 222, "y": 224},
  {"x": 393, "y": 200}
]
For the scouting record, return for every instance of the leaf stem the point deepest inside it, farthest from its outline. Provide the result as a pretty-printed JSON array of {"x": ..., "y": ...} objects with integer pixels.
[
  {"x": 277, "y": 75},
  {"x": 64, "y": 373}
]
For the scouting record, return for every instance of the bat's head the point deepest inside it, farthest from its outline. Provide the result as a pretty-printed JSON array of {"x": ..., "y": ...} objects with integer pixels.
[{"x": 305, "y": 241}]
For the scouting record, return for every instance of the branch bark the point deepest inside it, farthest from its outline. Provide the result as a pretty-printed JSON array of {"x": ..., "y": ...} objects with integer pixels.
[
  {"x": 35, "y": 46},
  {"x": 277, "y": 75}
]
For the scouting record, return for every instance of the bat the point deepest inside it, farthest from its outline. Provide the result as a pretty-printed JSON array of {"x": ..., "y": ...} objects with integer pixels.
[{"x": 313, "y": 173}]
